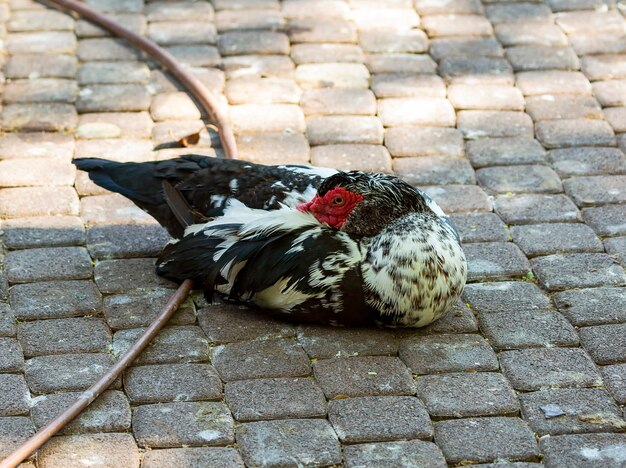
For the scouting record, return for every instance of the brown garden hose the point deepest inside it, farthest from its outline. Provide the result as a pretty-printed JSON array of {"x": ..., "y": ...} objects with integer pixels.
[{"x": 210, "y": 106}]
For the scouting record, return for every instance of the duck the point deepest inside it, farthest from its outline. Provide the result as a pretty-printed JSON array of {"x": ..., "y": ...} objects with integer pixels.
[{"x": 301, "y": 243}]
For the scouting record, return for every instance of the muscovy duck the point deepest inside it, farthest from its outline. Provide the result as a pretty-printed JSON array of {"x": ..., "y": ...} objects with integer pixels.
[{"x": 303, "y": 243}]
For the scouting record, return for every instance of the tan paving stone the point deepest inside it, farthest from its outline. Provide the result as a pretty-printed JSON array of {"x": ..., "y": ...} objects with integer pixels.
[
  {"x": 393, "y": 41},
  {"x": 457, "y": 25},
  {"x": 274, "y": 148},
  {"x": 195, "y": 55},
  {"x": 370, "y": 158},
  {"x": 344, "y": 129},
  {"x": 388, "y": 85},
  {"x": 335, "y": 75},
  {"x": 276, "y": 66},
  {"x": 485, "y": 97},
  {"x": 267, "y": 118},
  {"x": 314, "y": 30},
  {"x": 315, "y": 9},
  {"x": 105, "y": 449},
  {"x": 376, "y": 18},
  {"x": 400, "y": 63},
  {"x": 338, "y": 102},
  {"x": 327, "y": 53},
  {"x": 38, "y": 201},
  {"x": 601, "y": 43},
  {"x": 424, "y": 141},
  {"x": 433, "y": 7},
  {"x": 560, "y": 106},
  {"x": 113, "y": 98},
  {"x": 34, "y": 20},
  {"x": 35, "y": 172},
  {"x": 413, "y": 111},
  {"x": 252, "y": 90},
  {"x": 111, "y": 209},
  {"x": 540, "y": 33},
  {"x": 56, "y": 42},
  {"x": 552, "y": 82},
  {"x": 179, "y": 11},
  {"x": 36, "y": 145},
  {"x": 173, "y": 106},
  {"x": 123, "y": 124},
  {"x": 115, "y": 150},
  {"x": 604, "y": 67}
]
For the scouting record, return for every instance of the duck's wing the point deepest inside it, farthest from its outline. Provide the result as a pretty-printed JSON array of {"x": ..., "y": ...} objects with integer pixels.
[
  {"x": 206, "y": 184},
  {"x": 285, "y": 261}
]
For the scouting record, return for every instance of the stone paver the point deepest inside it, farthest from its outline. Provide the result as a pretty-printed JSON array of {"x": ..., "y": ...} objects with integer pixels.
[{"x": 510, "y": 115}]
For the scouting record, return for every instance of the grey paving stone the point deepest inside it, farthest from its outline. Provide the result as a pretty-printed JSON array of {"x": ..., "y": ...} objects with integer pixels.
[
  {"x": 40, "y": 231},
  {"x": 108, "y": 413},
  {"x": 13, "y": 432},
  {"x": 534, "y": 369},
  {"x": 106, "y": 49},
  {"x": 372, "y": 419},
  {"x": 14, "y": 395},
  {"x": 595, "y": 306},
  {"x": 579, "y": 410},
  {"x": 596, "y": 190},
  {"x": 584, "y": 270},
  {"x": 227, "y": 323},
  {"x": 464, "y": 46},
  {"x": 66, "y": 372},
  {"x": 40, "y": 90},
  {"x": 53, "y": 66},
  {"x": 326, "y": 342},
  {"x": 179, "y": 11},
  {"x": 476, "y": 70},
  {"x": 550, "y": 107},
  {"x": 495, "y": 260},
  {"x": 447, "y": 395},
  {"x": 252, "y": 400},
  {"x": 459, "y": 320},
  {"x": 400, "y": 454},
  {"x": 36, "y": 145},
  {"x": 616, "y": 247},
  {"x": 67, "y": 451},
  {"x": 39, "y": 117},
  {"x": 427, "y": 170},
  {"x": 610, "y": 92},
  {"x": 260, "y": 359},
  {"x": 543, "y": 33},
  {"x": 113, "y": 98},
  {"x": 57, "y": 336},
  {"x": 54, "y": 299},
  {"x": 124, "y": 275},
  {"x": 607, "y": 220},
  {"x": 448, "y": 353},
  {"x": 533, "y": 83},
  {"x": 424, "y": 141},
  {"x": 48, "y": 264},
  {"x": 516, "y": 179},
  {"x": 136, "y": 22},
  {"x": 172, "y": 382},
  {"x": 485, "y": 439},
  {"x": 459, "y": 198},
  {"x": 173, "y": 344},
  {"x": 363, "y": 376},
  {"x": 125, "y": 124},
  {"x": 544, "y": 239},
  {"x": 11, "y": 355},
  {"x": 499, "y": 464},
  {"x": 496, "y": 124},
  {"x": 587, "y": 161},
  {"x": 481, "y": 227},
  {"x": 7, "y": 321},
  {"x": 500, "y": 297},
  {"x": 574, "y": 132},
  {"x": 400, "y": 63},
  {"x": 504, "y": 151},
  {"x": 183, "y": 423},
  {"x": 605, "y": 343},
  {"x": 584, "y": 451},
  {"x": 288, "y": 442},
  {"x": 526, "y": 329},
  {"x": 542, "y": 57},
  {"x": 121, "y": 241},
  {"x": 368, "y": 158},
  {"x": 532, "y": 209},
  {"x": 90, "y": 73},
  {"x": 517, "y": 12},
  {"x": 603, "y": 67},
  {"x": 122, "y": 311},
  {"x": 615, "y": 380},
  {"x": 193, "y": 456}
]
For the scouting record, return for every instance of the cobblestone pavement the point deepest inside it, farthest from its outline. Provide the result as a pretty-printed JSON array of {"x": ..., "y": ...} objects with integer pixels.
[{"x": 509, "y": 114}]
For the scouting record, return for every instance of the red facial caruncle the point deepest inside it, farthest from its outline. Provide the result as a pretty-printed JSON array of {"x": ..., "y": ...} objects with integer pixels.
[{"x": 334, "y": 207}]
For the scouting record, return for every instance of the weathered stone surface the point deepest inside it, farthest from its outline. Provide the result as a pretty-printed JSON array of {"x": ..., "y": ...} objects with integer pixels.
[
  {"x": 395, "y": 85},
  {"x": 533, "y": 83},
  {"x": 412, "y": 453},
  {"x": 40, "y": 90},
  {"x": 576, "y": 407},
  {"x": 446, "y": 395},
  {"x": 252, "y": 400},
  {"x": 596, "y": 190},
  {"x": 480, "y": 227},
  {"x": 7, "y": 321},
  {"x": 527, "y": 329},
  {"x": 314, "y": 9},
  {"x": 574, "y": 132},
  {"x": 195, "y": 55},
  {"x": 42, "y": 231},
  {"x": 321, "y": 30},
  {"x": 14, "y": 431},
  {"x": 499, "y": 297},
  {"x": 396, "y": 112},
  {"x": 114, "y": 124},
  {"x": 595, "y": 306},
  {"x": 25, "y": 266},
  {"x": 614, "y": 378},
  {"x": 603, "y": 343},
  {"x": 108, "y": 413},
  {"x": 544, "y": 239},
  {"x": 617, "y": 248},
  {"x": 344, "y": 130},
  {"x": 332, "y": 75},
  {"x": 606, "y": 220},
  {"x": 36, "y": 145},
  {"x": 496, "y": 97},
  {"x": 274, "y": 148},
  {"x": 465, "y": 7},
  {"x": 11, "y": 356},
  {"x": 35, "y": 172},
  {"x": 588, "y": 450},
  {"x": 178, "y": 11},
  {"x": 516, "y": 179},
  {"x": 542, "y": 33},
  {"x": 465, "y": 46},
  {"x": 604, "y": 67},
  {"x": 363, "y": 376},
  {"x": 39, "y": 117},
  {"x": 551, "y": 107},
  {"x": 616, "y": 116},
  {"x": 541, "y": 57},
  {"x": 66, "y": 372},
  {"x": 393, "y": 41},
  {"x": 106, "y": 49},
  {"x": 75, "y": 335},
  {"x": 587, "y": 161},
  {"x": 112, "y": 73},
  {"x": 424, "y": 141},
  {"x": 447, "y": 353},
  {"x": 42, "y": 66},
  {"x": 610, "y": 92},
  {"x": 69, "y": 451},
  {"x": 260, "y": 359},
  {"x": 400, "y": 63},
  {"x": 476, "y": 70},
  {"x": 583, "y": 270},
  {"x": 183, "y": 423},
  {"x": 136, "y": 22},
  {"x": 495, "y": 260},
  {"x": 481, "y": 123},
  {"x": 528, "y": 209},
  {"x": 326, "y": 342},
  {"x": 370, "y": 419},
  {"x": 172, "y": 382},
  {"x": 504, "y": 151},
  {"x": 267, "y": 118},
  {"x": 173, "y": 344},
  {"x": 54, "y": 299},
  {"x": 252, "y": 17},
  {"x": 113, "y": 98},
  {"x": 485, "y": 439},
  {"x": 14, "y": 395},
  {"x": 123, "y": 311},
  {"x": 41, "y": 42},
  {"x": 118, "y": 276},
  {"x": 460, "y": 198},
  {"x": 327, "y": 53},
  {"x": 428, "y": 170},
  {"x": 288, "y": 441},
  {"x": 338, "y": 102},
  {"x": 182, "y": 32},
  {"x": 370, "y": 158},
  {"x": 534, "y": 369},
  {"x": 276, "y": 66},
  {"x": 126, "y": 241},
  {"x": 453, "y": 25},
  {"x": 38, "y": 201},
  {"x": 193, "y": 456},
  {"x": 252, "y": 90}
]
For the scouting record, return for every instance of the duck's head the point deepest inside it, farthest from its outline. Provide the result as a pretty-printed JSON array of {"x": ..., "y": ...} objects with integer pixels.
[{"x": 364, "y": 204}]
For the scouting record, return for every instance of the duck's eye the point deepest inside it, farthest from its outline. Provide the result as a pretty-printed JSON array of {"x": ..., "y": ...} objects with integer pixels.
[{"x": 338, "y": 201}]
